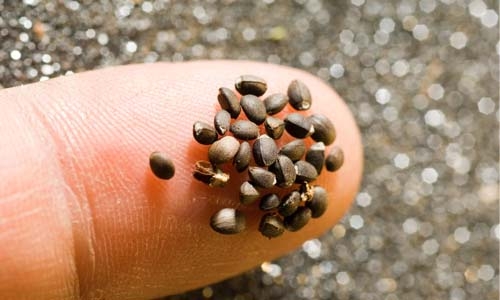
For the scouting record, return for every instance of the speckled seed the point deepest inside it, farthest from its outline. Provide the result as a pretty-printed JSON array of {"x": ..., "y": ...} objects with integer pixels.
[
  {"x": 244, "y": 130},
  {"x": 161, "y": 165},
  {"x": 324, "y": 131},
  {"x": 250, "y": 84},
  {"x": 265, "y": 151},
  {"x": 319, "y": 202},
  {"x": 269, "y": 202},
  {"x": 275, "y": 103},
  {"x": 261, "y": 177},
  {"x": 294, "y": 150},
  {"x": 228, "y": 221},
  {"x": 222, "y": 121},
  {"x": 243, "y": 156},
  {"x": 248, "y": 193},
  {"x": 229, "y": 101},
  {"x": 316, "y": 156},
  {"x": 284, "y": 169},
  {"x": 204, "y": 133},
  {"x": 289, "y": 204},
  {"x": 298, "y": 219},
  {"x": 254, "y": 109},
  {"x": 271, "y": 226},
  {"x": 223, "y": 150},
  {"x": 298, "y": 126},
  {"x": 305, "y": 172},
  {"x": 300, "y": 97},
  {"x": 274, "y": 127},
  {"x": 205, "y": 172},
  {"x": 335, "y": 159}
]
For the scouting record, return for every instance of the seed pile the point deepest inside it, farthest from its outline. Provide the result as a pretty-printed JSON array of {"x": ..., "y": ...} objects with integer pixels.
[{"x": 250, "y": 145}]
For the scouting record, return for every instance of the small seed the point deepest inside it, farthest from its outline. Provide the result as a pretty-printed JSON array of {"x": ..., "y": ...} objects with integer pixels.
[
  {"x": 223, "y": 150},
  {"x": 275, "y": 103},
  {"x": 222, "y": 121},
  {"x": 271, "y": 226},
  {"x": 229, "y": 101},
  {"x": 306, "y": 192},
  {"x": 248, "y": 193},
  {"x": 305, "y": 172},
  {"x": 204, "y": 133},
  {"x": 228, "y": 221},
  {"x": 289, "y": 204},
  {"x": 261, "y": 177},
  {"x": 205, "y": 172},
  {"x": 298, "y": 126},
  {"x": 254, "y": 109},
  {"x": 335, "y": 159},
  {"x": 316, "y": 156},
  {"x": 244, "y": 130},
  {"x": 269, "y": 202},
  {"x": 242, "y": 157},
  {"x": 294, "y": 150},
  {"x": 298, "y": 220},
  {"x": 274, "y": 127},
  {"x": 300, "y": 97},
  {"x": 250, "y": 84},
  {"x": 319, "y": 202},
  {"x": 324, "y": 131},
  {"x": 161, "y": 165},
  {"x": 284, "y": 169},
  {"x": 265, "y": 151}
]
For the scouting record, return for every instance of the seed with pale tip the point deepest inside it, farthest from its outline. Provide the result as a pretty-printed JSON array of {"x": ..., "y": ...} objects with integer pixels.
[
  {"x": 305, "y": 172},
  {"x": 229, "y": 101},
  {"x": 248, "y": 193},
  {"x": 335, "y": 159},
  {"x": 244, "y": 130},
  {"x": 284, "y": 169},
  {"x": 299, "y": 95},
  {"x": 289, "y": 204},
  {"x": 316, "y": 156},
  {"x": 319, "y": 202},
  {"x": 223, "y": 150},
  {"x": 254, "y": 108},
  {"x": 294, "y": 150},
  {"x": 250, "y": 84},
  {"x": 205, "y": 172},
  {"x": 261, "y": 178},
  {"x": 269, "y": 202},
  {"x": 275, "y": 103},
  {"x": 265, "y": 151},
  {"x": 228, "y": 221},
  {"x": 324, "y": 131},
  {"x": 274, "y": 127},
  {"x": 204, "y": 133},
  {"x": 271, "y": 226},
  {"x": 161, "y": 165},
  {"x": 243, "y": 156},
  {"x": 222, "y": 121},
  {"x": 298, "y": 126},
  {"x": 298, "y": 220}
]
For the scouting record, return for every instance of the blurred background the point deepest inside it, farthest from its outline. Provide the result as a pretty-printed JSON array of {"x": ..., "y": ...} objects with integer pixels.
[{"x": 420, "y": 76}]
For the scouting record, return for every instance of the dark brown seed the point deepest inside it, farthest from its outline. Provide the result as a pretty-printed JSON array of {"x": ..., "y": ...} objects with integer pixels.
[
  {"x": 324, "y": 131},
  {"x": 254, "y": 109},
  {"x": 298, "y": 220},
  {"x": 306, "y": 192},
  {"x": 250, "y": 84},
  {"x": 319, "y": 202},
  {"x": 265, "y": 151},
  {"x": 204, "y": 133},
  {"x": 274, "y": 127},
  {"x": 244, "y": 130},
  {"x": 271, "y": 226},
  {"x": 316, "y": 156},
  {"x": 222, "y": 121},
  {"x": 248, "y": 193},
  {"x": 269, "y": 202},
  {"x": 335, "y": 159},
  {"x": 243, "y": 156},
  {"x": 205, "y": 172},
  {"x": 294, "y": 150},
  {"x": 275, "y": 103},
  {"x": 284, "y": 169},
  {"x": 300, "y": 97},
  {"x": 223, "y": 150},
  {"x": 229, "y": 101},
  {"x": 261, "y": 177},
  {"x": 161, "y": 165},
  {"x": 298, "y": 126},
  {"x": 289, "y": 204},
  {"x": 228, "y": 221},
  {"x": 305, "y": 172}
]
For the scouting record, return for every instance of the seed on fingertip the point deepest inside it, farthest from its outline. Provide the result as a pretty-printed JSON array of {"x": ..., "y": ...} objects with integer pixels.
[
  {"x": 254, "y": 109},
  {"x": 305, "y": 172},
  {"x": 223, "y": 150},
  {"x": 222, "y": 121},
  {"x": 261, "y": 178},
  {"x": 298, "y": 126},
  {"x": 161, "y": 165},
  {"x": 265, "y": 151},
  {"x": 228, "y": 221},
  {"x": 275, "y": 103},
  {"x": 206, "y": 173},
  {"x": 269, "y": 202},
  {"x": 316, "y": 156},
  {"x": 319, "y": 202},
  {"x": 229, "y": 101},
  {"x": 299, "y": 95},
  {"x": 289, "y": 204},
  {"x": 284, "y": 169},
  {"x": 324, "y": 131},
  {"x": 335, "y": 159},
  {"x": 298, "y": 219},
  {"x": 204, "y": 133},
  {"x": 244, "y": 130},
  {"x": 274, "y": 127},
  {"x": 294, "y": 150},
  {"x": 250, "y": 84},
  {"x": 248, "y": 193},
  {"x": 271, "y": 226},
  {"x": 243, "y": 156}
]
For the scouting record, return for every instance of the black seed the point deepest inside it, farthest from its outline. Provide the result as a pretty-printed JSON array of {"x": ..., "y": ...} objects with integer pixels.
[
  {"x": 248, "y": 193},
  {"x": 222, "y": 121},
  {"x": 274, "y": 127},
  {"x": 254, "y": 109},
  {"x": 243, "y": 156},
  {"x": 306, "y": 192},
  {"x": 294, "y": 150},
  {"x": 284, "y": 169},
  {"x": 271, "y": 226},
  {"x": 319, "y": 202},
  {"x": 250, "y": 84},
  {"x": 289, "y": 204},
  {"x": 228, "y": 221},
  {"x": 223, "y": 150},
  {"x": 275, "y": 103},
  {"x": 300, "y": 97},
  {"x": 161, "y": 165},
  {"x": 204, "y": 133},
  {"x": 205, "y": 172},
  {"x": 265, "y": 151},
  {"x": 335, "y": 159},
  {"x": 261, "y": 177},
  {"x": 305, "y": 172},
  {"x": 324, "y": 131},
  {"x": 316, "y": 156},
  {"x": 244, "y": 130},
  {"x": 229, "y": 101},
  {"x": 298, "y": 220},
  {"x": 298, "y": 126},
  {"x": 269, "y": 202}
]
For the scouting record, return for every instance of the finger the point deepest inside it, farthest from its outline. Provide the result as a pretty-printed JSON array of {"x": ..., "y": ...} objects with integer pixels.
[{"x": 81, "y": 215}]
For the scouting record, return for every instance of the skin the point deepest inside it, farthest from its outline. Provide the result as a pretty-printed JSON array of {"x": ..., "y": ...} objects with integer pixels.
[{"x": 83, "y": 217}]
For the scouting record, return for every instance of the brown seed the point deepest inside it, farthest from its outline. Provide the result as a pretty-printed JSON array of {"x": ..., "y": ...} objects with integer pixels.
[
  {"x": 305, "y": 172},
  {"x": 316, "y": 156},
  {"x": 161, "y": 165},
  {"x": 274, "y": 127},
  {"x": 261, "y": 177},
  {"x": 229, "y": 101},
  {"x": 265, "y": 151},
  {"x": 271, "y": 226},
  {"x": 306, "y": 192},
  {"x": 284, "y": 169},
  {"x": 222, "y": 121},
  {"x": 298, "y": 220},
  {"x": 228, "y": 221},
  {"x": 319, "y": 202},
  {"x": 289, "y": 204},
  {"x": 294, "y": 150},
  {"x": 324, "y": 131},
  {"x": 335, "y": 159},
  {"x": 254, "y": 109},
  {"x": 248, "y": 193},
  {"x": 299, "y": 95},
  {"x": 275, "y": 103},
  {"x": 205, "y": 172},
  {"x": 243, "y": 156},
  {"x": 204, "y": 133},
  {"x": 223, "y": 150},
  {"x": 244, "y": 130},
  {"x": 298, "y": 126},
  {"x": 250, "y": 84},
  {"x": 269, "y": 202}
]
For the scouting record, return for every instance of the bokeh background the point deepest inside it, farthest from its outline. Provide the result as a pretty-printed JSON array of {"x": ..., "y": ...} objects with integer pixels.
[{"x": 421, "y": 78}]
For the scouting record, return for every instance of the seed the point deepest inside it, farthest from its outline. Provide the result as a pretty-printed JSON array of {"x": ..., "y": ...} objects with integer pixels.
[
  {"x": 250, "y": 84},
  {"x": 275, "y": 103},
  {"x": 271, "y": 226},
  {"x": 306, "y": 192},
  {"x": 254, "y": 109},
  {"x": 305, "y": 172},
  {"x": 161, "y": 165},
  {"x": 269, "y": 202},
  {"x": 223, "y": 150},
  {"x": 205, "y": 172},
  {"x": 294, "y": 150},
  {"x": 300, "y": 97},
  {"x": 274, "y": 127},
  {"x": 204, "y": 133},
  {"x": 284, "y": 169},
  {"x": 298, "y": 126},
  {"x": 228, "y": 221},
  {"x": 324, "y": 131},
  {"x": 248, "y": 193},
  {"x": 243, "y": 156},
  {"x": 335, "y": 159},
  {"x": 265, "y": 151},
  {"x": 261, "y": 177},
  {"x": 229, "y": 101},
  {"x": 319, "y": 202},
  {"x": 222, "y": 121},
  {"x": 289, "y": 204},
  {"x": 298, "y": 220},
  {"x": 244, "y": 130},
  {"x": 316, "y": 156}
]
